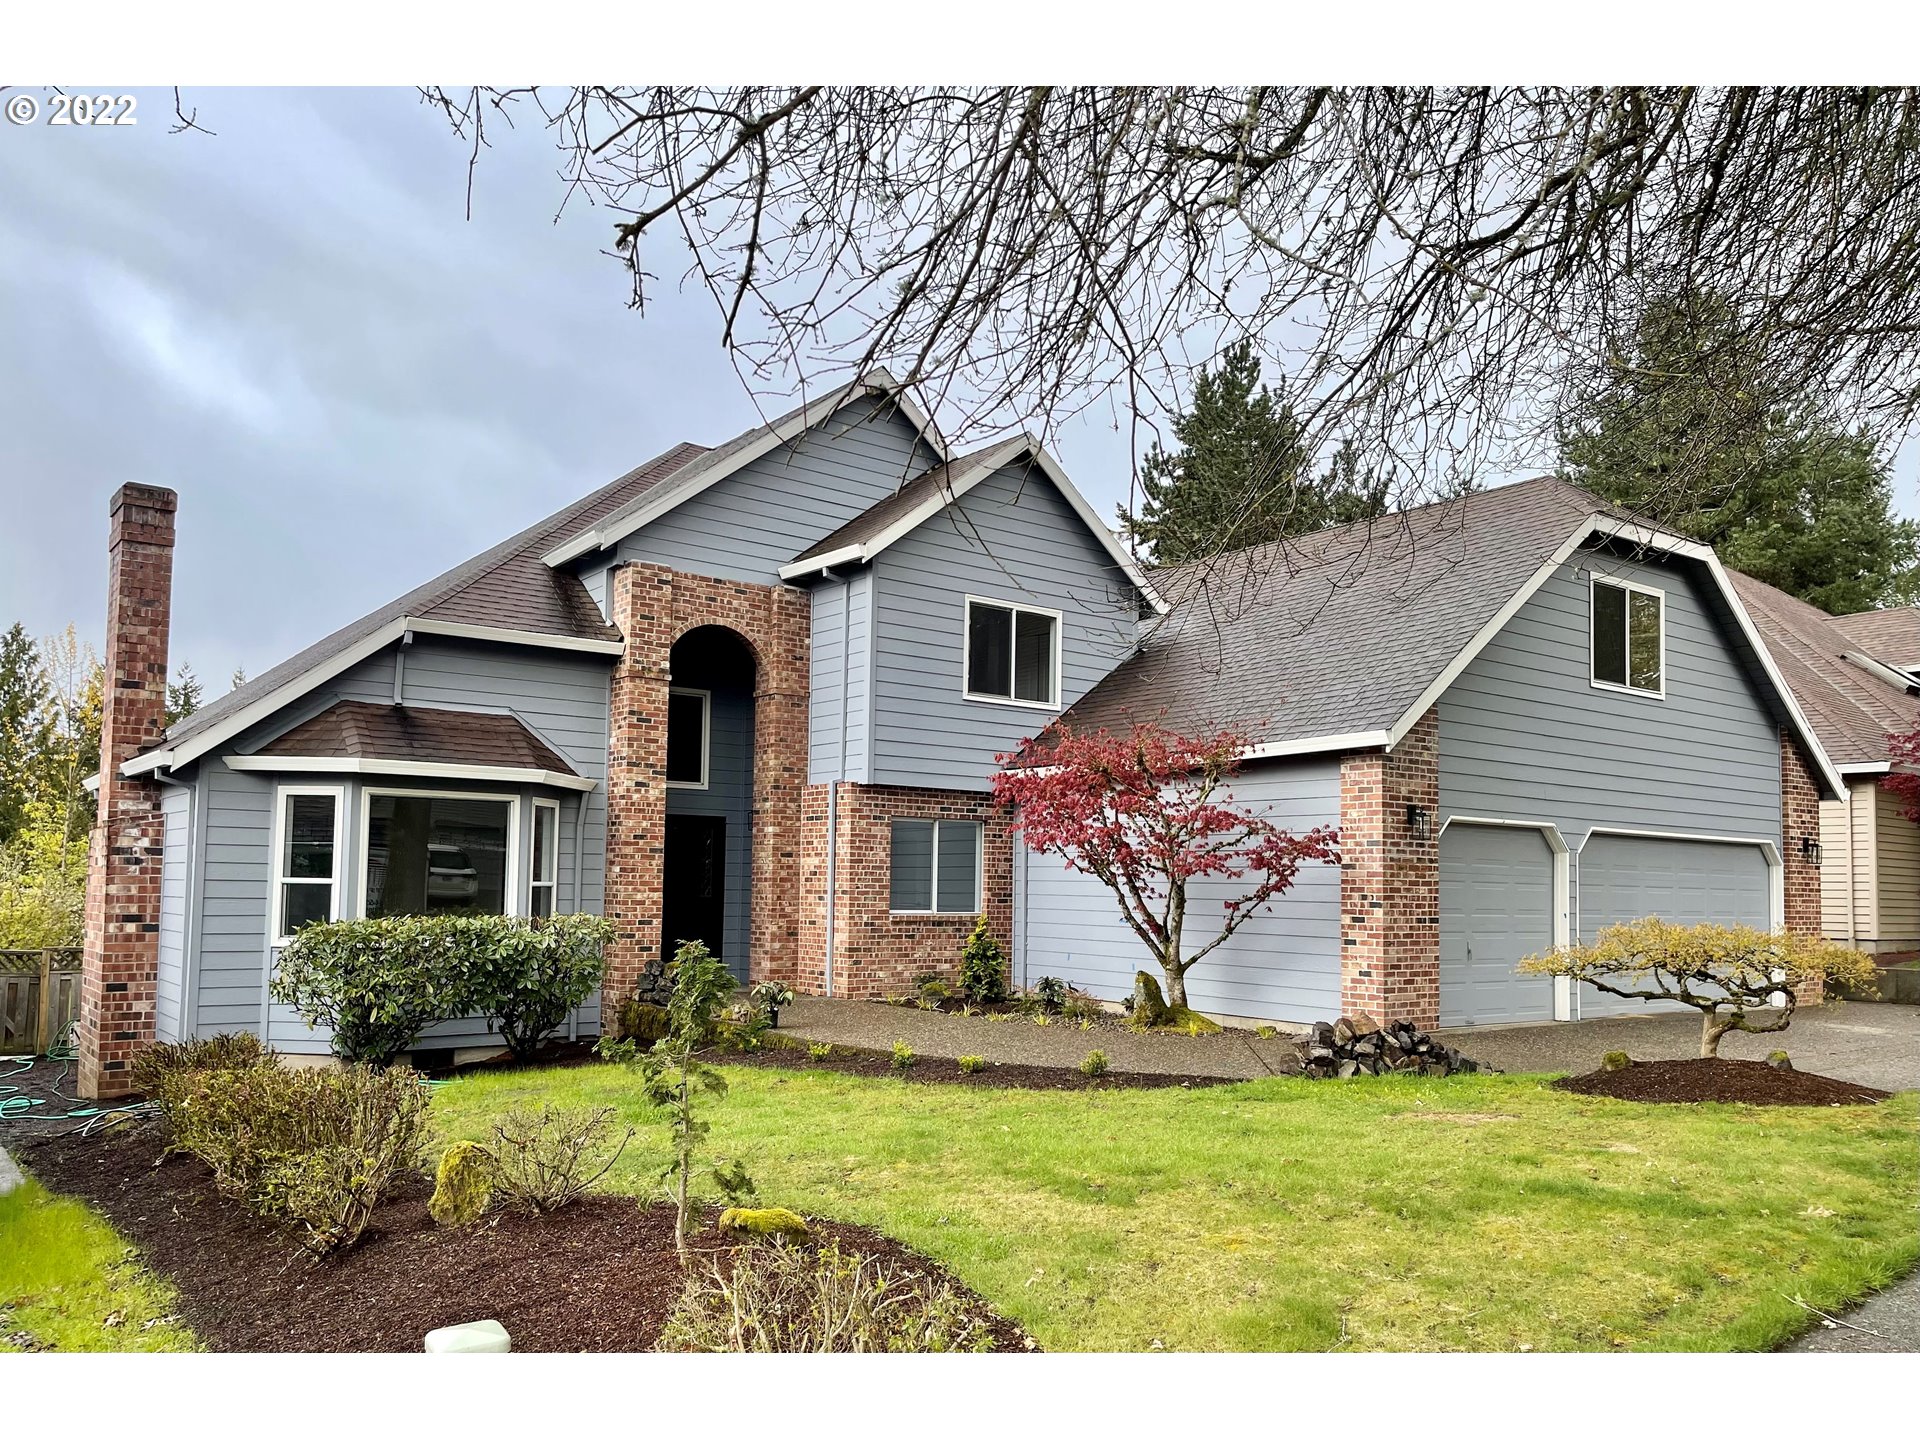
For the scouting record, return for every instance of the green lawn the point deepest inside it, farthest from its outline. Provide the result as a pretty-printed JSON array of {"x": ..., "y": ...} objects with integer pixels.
[
  {"x": 1476, "y": 1213},
  {"x": 68, "y": 1282}
]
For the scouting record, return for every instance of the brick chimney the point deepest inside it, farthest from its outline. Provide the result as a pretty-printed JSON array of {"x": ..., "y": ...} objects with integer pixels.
[{"x": 122, "y": 965}]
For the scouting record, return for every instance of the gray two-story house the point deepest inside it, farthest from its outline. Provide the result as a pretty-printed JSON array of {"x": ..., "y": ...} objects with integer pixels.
[{"x": 755, "y": 694}]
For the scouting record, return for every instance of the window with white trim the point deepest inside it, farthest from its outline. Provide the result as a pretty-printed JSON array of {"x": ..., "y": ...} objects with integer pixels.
[
  {"x": 1629, "y": 636},
  {"x": 306, "y": 858},
  {"x": 689, "y": 715},
  {"x": 543, "y": 885},
  {"x": 935, "y": 867},
  {"x": 438, "y": 853},
  {"x": 1013, "y": 653}
]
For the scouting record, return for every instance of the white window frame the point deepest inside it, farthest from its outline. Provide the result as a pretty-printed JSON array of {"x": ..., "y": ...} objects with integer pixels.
[
  {"x": 933, "y": 891},
  {"x": 706, "y": 738},
  {"x": 534, "y": 882},
  {"x": 1594, "y": 581},
  {"x": 966, "y": 653},
  {"x": 514, "y": 893},
  {"x": 281, "y": 794}
]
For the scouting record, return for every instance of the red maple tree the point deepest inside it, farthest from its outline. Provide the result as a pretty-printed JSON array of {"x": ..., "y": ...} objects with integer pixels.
[
  {"x": 1905, "y": 784},
  {"x": 1146, "y": 814}
]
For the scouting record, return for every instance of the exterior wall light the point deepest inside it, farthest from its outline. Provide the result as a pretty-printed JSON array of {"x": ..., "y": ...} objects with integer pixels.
[
  {"x": 1810, "y": 850},
  {"x": 1419, "y": 821}
]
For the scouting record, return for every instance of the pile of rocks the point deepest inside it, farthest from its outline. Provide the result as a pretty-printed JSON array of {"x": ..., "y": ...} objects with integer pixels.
[{"x": 1360, "y": 1045}]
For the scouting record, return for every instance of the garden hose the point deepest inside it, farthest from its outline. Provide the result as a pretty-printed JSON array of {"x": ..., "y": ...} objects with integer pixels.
[{"x": 15, "y": 1105}]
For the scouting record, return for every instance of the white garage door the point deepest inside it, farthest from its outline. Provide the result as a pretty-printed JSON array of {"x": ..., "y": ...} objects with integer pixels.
[
  {"x": 1496, "y": 908},
  {"x": 1689, "y": 882}
]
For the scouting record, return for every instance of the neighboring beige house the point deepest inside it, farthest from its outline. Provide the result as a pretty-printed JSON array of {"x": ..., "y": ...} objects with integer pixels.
[{"x": 1857, "y": 677}]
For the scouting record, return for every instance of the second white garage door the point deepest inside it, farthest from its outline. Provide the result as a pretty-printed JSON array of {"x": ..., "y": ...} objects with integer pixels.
[{"x": 1689, "y": 882}]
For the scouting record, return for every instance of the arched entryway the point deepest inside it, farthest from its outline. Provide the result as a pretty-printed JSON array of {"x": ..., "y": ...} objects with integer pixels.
[{"x": 707, "y": 880}]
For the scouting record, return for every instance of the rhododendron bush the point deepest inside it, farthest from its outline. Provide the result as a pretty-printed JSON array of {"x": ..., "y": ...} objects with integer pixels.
[{"x": 1148, "y": 814}]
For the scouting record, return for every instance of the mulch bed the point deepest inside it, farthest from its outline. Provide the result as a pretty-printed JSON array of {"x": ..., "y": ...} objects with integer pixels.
[
  {"x": 1738, "y": 1082},
  {"x": 600, "y": 1275},
  {"x": 937, "y": 1070}
]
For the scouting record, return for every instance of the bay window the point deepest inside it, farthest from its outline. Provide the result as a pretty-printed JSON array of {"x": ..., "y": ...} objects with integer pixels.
[{"x": 438, "y": 854}]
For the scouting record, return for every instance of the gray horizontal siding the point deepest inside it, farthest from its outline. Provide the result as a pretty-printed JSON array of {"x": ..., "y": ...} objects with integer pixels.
[
  {"x": 757, "y": 519},
  {"x": 1525, "y": 736},
  {"x": 1283, "y": 964},
  {"x": 1014, "y": 539},
  {"x": 170, "y": 990},
  {"x": 841, "y": 661}
]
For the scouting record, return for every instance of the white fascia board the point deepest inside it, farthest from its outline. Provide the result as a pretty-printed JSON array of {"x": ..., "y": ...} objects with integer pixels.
[
  {"x": 91, "y": 784},
  {"x": 1318, "y": 745},
  {"x": 345, "y": 765},
  {"x": 1867, "y": 767},
  {"x": 372, "y": 644},
  {"x": 1652, "y": 539},
  {"x": 668, "y": 496}
]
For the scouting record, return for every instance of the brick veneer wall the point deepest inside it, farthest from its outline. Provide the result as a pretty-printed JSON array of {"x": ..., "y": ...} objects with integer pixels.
[
  {"x": 1799, "y": 816},
  {"x": 121, "y": 969},
  {"x": 876, "y": 952},
  {"x": 1390, "y": 880},
  {"x": 652, "y": 607}
]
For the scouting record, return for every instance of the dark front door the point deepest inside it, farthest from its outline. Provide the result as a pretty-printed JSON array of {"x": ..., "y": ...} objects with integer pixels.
[{"x": 694, "y": 883}]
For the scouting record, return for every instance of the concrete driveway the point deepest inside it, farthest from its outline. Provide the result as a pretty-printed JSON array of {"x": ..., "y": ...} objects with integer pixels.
[{"x": 1869, "y": 1044}]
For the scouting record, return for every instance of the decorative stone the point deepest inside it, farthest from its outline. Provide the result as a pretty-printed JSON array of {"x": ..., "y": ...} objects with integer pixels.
[
  {"x": 1779, "y": 1061},
  {"x": 476, "y": 1337},
  {"x": 1615, "y": 1060},
  {"x": 1149, "y": 1005}
]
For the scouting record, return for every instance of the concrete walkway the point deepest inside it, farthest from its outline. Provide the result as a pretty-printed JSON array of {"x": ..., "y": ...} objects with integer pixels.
[
  {"x": 10, "y": 1177},
  {"x": 869, "y": 1025},
  {"x": 1869, "y": 1044}
]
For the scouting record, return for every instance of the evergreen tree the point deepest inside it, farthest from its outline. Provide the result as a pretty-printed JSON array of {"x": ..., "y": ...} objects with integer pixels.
[
  {"x": 1241, "y": 475},
  {"x": 24, "y": 693},
  {"x": 239, "y": 677},
  {"x": 1686, "y": 433},
  {"x": 183, "y": 694}
]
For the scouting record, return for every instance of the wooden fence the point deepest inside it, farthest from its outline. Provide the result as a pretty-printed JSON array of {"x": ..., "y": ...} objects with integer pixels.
[{"x": 39, "y": 999}]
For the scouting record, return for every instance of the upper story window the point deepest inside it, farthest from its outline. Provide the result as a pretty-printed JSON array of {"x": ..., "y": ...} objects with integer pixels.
[
  {"x": 1013, "y": 654},
  {"x": 1629, "y": 637},
  {"x": 688, "y": 743}
]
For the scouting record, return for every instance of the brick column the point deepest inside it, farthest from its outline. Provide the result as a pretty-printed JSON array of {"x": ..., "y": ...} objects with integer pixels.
[
  {"x": 1799, "y": 817},
  {"x": 120, "y": 972},
  {"x": 652, "y": 607},
  {"x": 1390, "y": 880}
]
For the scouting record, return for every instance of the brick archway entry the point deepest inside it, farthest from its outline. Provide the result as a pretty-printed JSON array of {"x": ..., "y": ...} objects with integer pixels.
[{"x": 652, "y": 607}]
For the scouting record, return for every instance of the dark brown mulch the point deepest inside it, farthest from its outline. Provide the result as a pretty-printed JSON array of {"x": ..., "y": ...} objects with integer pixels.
[
  {"x": 1737, "y": 1082},
  {"x": 600, "y": 1275},
  {"x": 785, "y": 1054}
]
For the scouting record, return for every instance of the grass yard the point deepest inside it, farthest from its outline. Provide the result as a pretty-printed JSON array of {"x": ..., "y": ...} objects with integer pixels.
[
  {"x": 68, "y": 1282},
  {"x": 1474, "y": 1213}
]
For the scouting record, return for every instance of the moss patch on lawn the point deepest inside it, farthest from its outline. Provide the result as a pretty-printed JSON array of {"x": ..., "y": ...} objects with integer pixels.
[
  {"x": 69, "y": 1282},
  {"x": 1290, "y": 1214}
]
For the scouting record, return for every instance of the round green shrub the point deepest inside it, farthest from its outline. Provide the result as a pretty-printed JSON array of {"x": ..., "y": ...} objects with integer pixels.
[{"x": 763, "y": 1224}]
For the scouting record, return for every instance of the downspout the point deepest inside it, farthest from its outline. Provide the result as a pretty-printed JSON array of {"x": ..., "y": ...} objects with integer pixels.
[
  {"x": 189, "y": 929},
  {"x": 579, "y": 845},
  {"x": 840, "y": 772},
  {"x": 400, "y": 668},
  {"x": 1853, "y": 878}
]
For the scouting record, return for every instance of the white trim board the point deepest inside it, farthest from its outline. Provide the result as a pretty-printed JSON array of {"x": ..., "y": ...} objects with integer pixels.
[
  {"x": 277, "y": 699},
  {"x": 667, "y": 495},
  {"x": 405, "y": 769},
  {"x": 1562, "y": 890}
]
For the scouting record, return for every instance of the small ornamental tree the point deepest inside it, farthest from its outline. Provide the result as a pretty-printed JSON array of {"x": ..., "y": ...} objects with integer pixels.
[
  {"x": 1904, "y": 783},
  {"x": 1147, "y": 814},
  {"x": 1729, "y": 973}
]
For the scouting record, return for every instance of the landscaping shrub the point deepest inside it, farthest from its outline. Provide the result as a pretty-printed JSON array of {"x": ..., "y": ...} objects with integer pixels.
[
  {"x": 769, "y": 1224},
  {"x": 1050, "y": 992},
  {"x": 377, "y": 983},
  {"x": 903, "y": 1056},
  {"x": 545, "y": 1159},
  {"x": 1095, "y": 1064},
  {"x": 819, "y": 1050},
  {"x": 316, "y": 1148},
  {"x": 462, "y": 1186},
  {"x": 972, "y": 1064},
  {"x": 983, "y": 966},
  {"x": 162, "y": 1072},
  {"x": 770, "y": 997},
  {"x": 794, "y": 1299}
]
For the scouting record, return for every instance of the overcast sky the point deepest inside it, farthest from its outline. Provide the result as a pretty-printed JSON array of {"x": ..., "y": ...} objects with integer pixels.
[{"x": 352, "y": 386}]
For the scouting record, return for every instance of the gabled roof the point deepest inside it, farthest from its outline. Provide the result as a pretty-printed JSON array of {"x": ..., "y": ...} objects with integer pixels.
[
  {"x": 871, "y": 531},
  {"x": 715, "y": 465},
  {"x": 1342, "y": 639},
  {"x": 1852, "y": 707},
  {"x": 506, "y": 593},
  {"x": 1889, "y": 635}
]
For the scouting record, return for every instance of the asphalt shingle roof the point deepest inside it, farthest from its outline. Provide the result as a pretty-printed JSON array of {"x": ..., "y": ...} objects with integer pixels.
[
  {"x": 1892, "y": 636},
  {"x": 1850, "y": 709},
  {"x": 874, "y": 520},
  {"x": 355, "y": 730},
  {"x": 509, "y": 586},
  {"x": 1336, "y": 632}
]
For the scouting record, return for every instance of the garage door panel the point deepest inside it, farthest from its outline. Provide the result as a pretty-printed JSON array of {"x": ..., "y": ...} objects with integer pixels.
[
  {"x": 1686, "y": 882},
  {"x": 1496, "y": 908}
]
